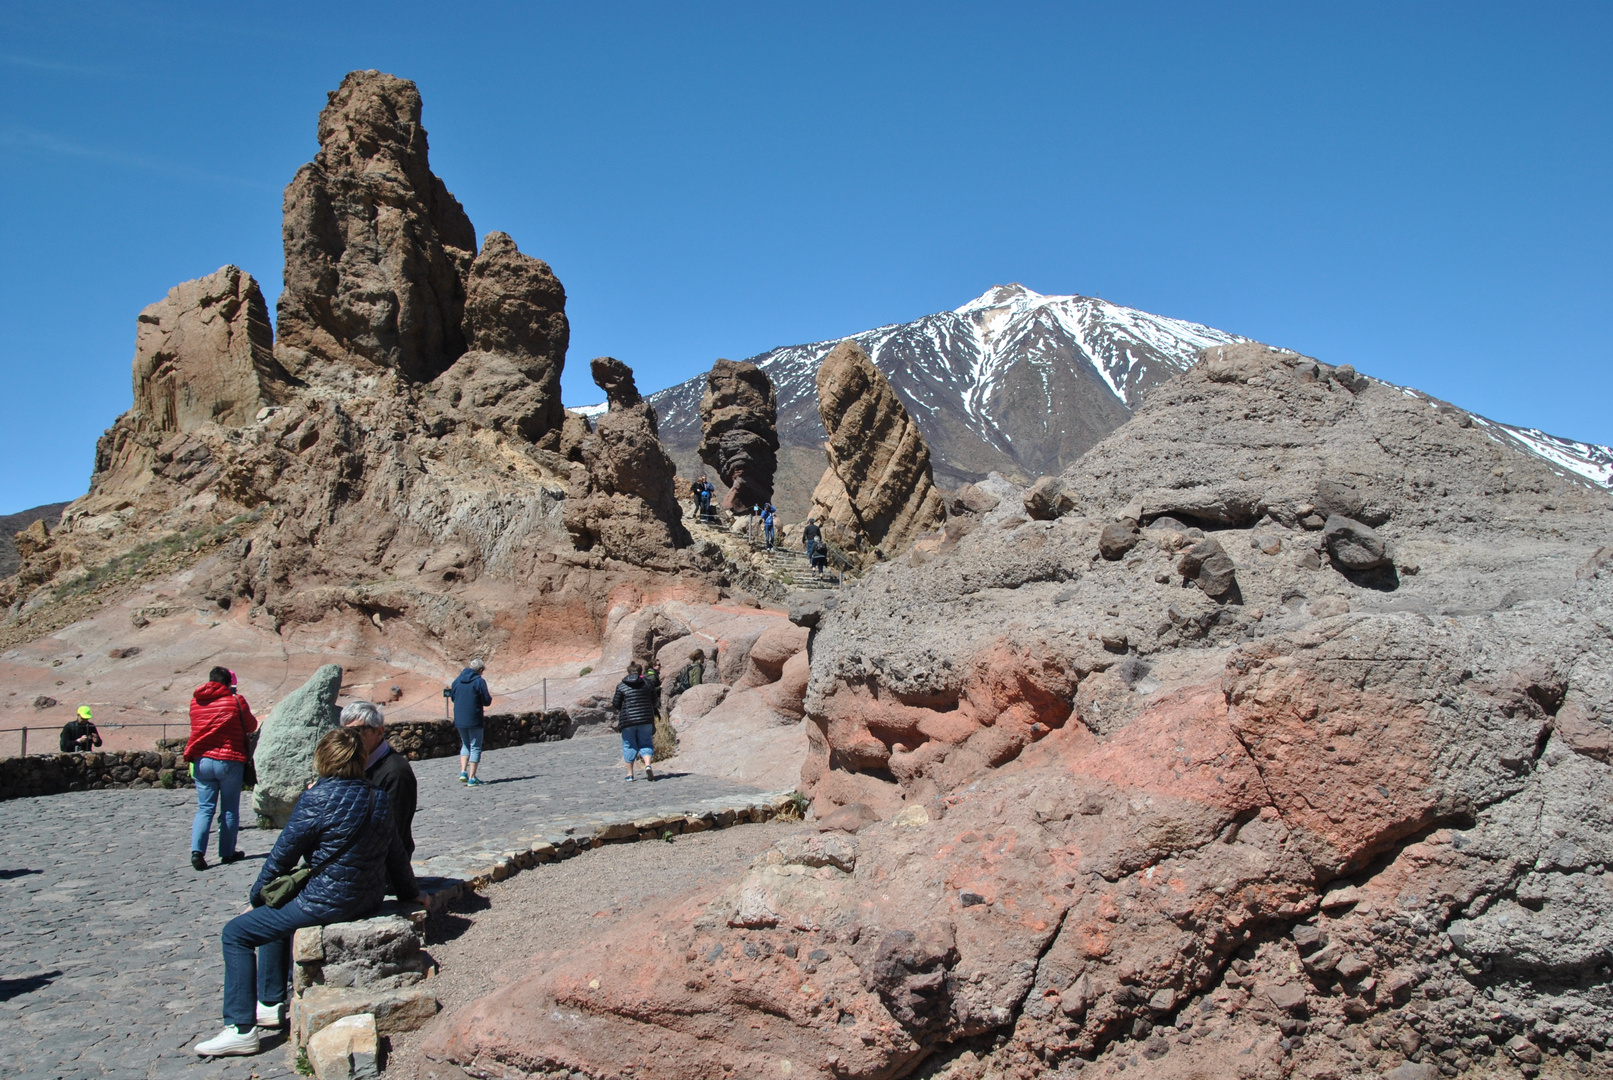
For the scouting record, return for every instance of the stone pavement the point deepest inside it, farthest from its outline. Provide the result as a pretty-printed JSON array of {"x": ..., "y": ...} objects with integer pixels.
[{"x": 109, "y": 954}]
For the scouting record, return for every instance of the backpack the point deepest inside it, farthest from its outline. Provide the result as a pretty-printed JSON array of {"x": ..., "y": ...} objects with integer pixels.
[{"x": 691, "y": 675}]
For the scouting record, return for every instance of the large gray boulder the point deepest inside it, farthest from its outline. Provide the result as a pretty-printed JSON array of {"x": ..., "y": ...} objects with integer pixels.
[{"x": 285, "y": 755}]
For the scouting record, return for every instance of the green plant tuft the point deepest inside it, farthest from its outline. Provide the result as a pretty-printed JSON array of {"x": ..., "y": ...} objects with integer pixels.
[{"x": 584, "y": 671}]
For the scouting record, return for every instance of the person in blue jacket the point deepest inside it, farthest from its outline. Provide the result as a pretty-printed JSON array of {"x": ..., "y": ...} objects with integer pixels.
[
  {"x": 343, "y": 826},
  {"x": 769, "y": 518},
  {"x": 470, "y": 696}
]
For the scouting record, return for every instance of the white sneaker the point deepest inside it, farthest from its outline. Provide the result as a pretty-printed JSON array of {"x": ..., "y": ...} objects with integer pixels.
[
  {"x": 649, "y": 771},
  {"x": 271, "y": 1016},
  {"x": 230, "y": 1041}
]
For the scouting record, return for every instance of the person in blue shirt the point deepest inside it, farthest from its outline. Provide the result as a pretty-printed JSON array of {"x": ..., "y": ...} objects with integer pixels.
[
  {"x": 768, "y": 516},
  {"x": 470, "y": 696}
]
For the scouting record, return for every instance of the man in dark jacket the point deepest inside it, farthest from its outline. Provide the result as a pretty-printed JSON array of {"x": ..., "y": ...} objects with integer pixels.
[
  {"x": 80, "y": 734},
  {"x": 812, "y": 537},
  {"x": 386, "y": 769},
  {"x": 470, "y": 696},
  {"x": 634, "y": 702}
]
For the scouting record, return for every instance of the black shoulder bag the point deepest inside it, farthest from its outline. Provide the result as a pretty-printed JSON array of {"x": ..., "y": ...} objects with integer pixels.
[{"x": 283, "y": 889}]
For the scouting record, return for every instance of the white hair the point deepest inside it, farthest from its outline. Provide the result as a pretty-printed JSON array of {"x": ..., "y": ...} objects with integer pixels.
[
  {"x": 476, "y": 665},
  {"x": 363, "y": 713}
]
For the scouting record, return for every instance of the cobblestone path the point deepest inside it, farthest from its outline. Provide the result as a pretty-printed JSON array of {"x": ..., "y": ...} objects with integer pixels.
[{"x": 109, "y": 953}]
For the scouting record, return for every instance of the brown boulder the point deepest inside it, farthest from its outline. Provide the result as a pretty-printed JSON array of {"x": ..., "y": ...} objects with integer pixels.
[
  {"x": 1207, "y": 564},
  {"x": 1046, "y": 499},
  {"x": 1117, "y": 538},
  {"x": 739, "y": 431},
  {"x": 620, "y": 500},
  {"x": 878, "y": 494},
  {"x": 1354, "y": 546},
  {"x": 973, "y": 500},
  {"x": 376, "y": 247}
]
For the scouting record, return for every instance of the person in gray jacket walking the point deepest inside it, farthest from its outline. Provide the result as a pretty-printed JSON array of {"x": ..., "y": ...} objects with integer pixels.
[{"x": 470, "y": 696}]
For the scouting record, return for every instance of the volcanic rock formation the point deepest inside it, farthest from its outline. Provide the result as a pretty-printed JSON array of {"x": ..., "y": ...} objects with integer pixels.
[
  {"x": 355, "y": 489},
  {"x": 1124, "y": 818},
  {"x": 376, "y": 247},
  {"x": 620, "y": 500},
  {"x": 877, "y": 495},
  {"x": 205, "y": 354},
  {"x": 739, "y": 432},
  {"x": 515, "y": 322}
]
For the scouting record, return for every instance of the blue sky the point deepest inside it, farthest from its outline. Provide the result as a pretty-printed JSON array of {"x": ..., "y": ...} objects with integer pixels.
[{"x": 1422, "y": 190}]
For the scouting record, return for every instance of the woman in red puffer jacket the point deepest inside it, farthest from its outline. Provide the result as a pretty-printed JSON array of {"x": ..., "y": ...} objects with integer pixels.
[{"x": 220, "y": 722}]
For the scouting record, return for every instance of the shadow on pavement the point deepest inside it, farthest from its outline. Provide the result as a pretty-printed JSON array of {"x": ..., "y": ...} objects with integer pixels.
[
  {"x": 10, "y": 988},
  {"x": 20, "y": 872}
]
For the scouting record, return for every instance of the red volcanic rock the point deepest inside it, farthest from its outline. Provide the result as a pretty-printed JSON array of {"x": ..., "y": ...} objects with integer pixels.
[{"x": 921, "y": 929}]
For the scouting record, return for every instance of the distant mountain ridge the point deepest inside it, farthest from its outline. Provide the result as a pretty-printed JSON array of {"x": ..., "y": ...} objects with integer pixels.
[{"x": 1014, "y": 382}]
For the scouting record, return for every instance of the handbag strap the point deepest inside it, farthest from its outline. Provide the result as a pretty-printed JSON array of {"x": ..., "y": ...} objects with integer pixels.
[
  {"x": 246, "y": 739},
  {"x": 351, "y": 840}
]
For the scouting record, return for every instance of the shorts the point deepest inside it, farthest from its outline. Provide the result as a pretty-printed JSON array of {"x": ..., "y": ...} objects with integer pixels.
[
  {"x": 470, "y": 742},
  {"x": 638, "y": 741}
]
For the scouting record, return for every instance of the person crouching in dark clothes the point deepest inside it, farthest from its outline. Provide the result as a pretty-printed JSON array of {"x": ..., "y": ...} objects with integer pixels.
[
  {"x": 343, "y": 826},
  {"x": 80, "y": 733},
  {"x": 386, "y": 768},
  {"x": 634, "y": 702}
]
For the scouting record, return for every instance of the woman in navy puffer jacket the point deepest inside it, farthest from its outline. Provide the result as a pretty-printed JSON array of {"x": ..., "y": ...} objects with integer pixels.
[{"x": 341, "y": 805}]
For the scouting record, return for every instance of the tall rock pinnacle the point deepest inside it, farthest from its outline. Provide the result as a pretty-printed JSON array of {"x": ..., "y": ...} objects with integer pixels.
[
  {"x": 377, "y": 248},
  {"x": 878, "y": 492},
  {"x": 739, "y": 426}
]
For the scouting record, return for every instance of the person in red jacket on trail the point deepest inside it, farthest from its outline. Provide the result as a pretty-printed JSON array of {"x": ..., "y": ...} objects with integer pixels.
[{"x": 220, "y": 723}]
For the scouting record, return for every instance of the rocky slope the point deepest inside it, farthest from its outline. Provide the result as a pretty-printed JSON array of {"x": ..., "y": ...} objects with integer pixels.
[
  {"x": 12, "y": 524},
  {"x": 1284, "y": 751}
]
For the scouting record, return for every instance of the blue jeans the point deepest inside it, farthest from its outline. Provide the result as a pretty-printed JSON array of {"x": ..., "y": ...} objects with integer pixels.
[
  {"x": 470, "y": 743},
  {"x": 257, "y": 955},
  {"x": 215, "y": 778},
  {"x": 767, "y": 527}
]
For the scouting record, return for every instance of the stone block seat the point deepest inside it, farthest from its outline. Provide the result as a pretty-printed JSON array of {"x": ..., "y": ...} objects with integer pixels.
[{"x": 369, "y": 966}]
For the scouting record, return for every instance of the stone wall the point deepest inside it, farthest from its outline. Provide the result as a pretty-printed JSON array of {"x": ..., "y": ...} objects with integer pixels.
[
  {"x": 52, "y": 774},
  {"x": 419, "y": 739}
]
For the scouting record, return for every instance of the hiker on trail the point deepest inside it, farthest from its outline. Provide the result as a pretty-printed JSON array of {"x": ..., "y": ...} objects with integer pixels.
[
  {"x": 343, "y": 827},
  {"x": 386, "y": 768},
  {"x": 769, "y": 516},
  {"x": 470, "y": 696},
  {"x": 702, "y": 499},
  {"x": 817, "y": 553},
  {"x": 221, "y": 725},
  {"x": 79, "y": 733},
  {"x": 634, "y": 702}
]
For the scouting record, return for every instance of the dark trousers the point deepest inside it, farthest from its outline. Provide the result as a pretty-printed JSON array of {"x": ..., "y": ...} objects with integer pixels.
[{"x": 257, "y": 955}]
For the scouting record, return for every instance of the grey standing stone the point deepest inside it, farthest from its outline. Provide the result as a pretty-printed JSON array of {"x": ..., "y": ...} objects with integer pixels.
[{"x": 285, "y": 755}]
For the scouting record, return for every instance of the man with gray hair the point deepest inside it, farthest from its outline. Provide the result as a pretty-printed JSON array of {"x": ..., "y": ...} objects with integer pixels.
[{"x": 385, "y": 767}]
